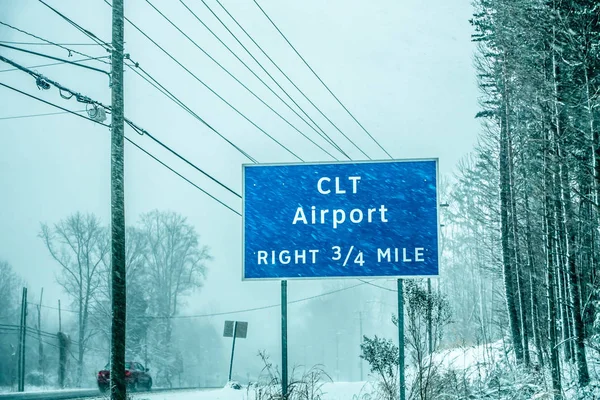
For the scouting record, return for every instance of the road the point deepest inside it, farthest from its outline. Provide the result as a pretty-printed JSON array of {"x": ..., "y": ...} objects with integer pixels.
[{"x": 80, "y": 394}]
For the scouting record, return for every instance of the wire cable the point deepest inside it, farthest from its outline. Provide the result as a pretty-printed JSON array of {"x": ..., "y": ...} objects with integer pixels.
[
  {"x": 29, "y": 329},
  {"x": 56, "y": 63},
  {"x": 320, "y": 80},
  {"x": 42, "y": 80},
  {"x": 92, "y": 35},
  {"x": 107, "y": 46},
  {"x": 145, "y": 132},
  {"x": 44, "y": 83},
  {"x": 37, "y": 115},
  {"x": 52, "y": 104},
  {"x": 283, "y": 73},
  {"x": 55, "y": 58},
  {"x": 377, "y": 286},
  {"x": 322, "y": 132},
  {"x": 234, "y": 77},
  {"x": 263, "y": 82},
  {"x": 255, "y": 308},
  {"x": 184, "y": 178},
  {"x": 248, "y": 156},
  {"x": 181, "y": 104},
  {"x": 70, "y": 51},
  {"x": 47, "y": 44},
  {"x": 211, "y": 90},
  {"x": 108, "y": 126}
]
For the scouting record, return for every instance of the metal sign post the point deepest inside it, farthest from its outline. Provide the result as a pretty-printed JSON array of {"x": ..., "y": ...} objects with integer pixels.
[
  {"x": 284, "y": 352},
  {"x": 401, "y": 378},
  {"x": 232, "y": 350},
  {"x": 234, "y": 329}
]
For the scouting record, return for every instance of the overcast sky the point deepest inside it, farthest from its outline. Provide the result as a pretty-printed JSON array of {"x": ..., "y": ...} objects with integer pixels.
[{"x": 403, "y": 67}]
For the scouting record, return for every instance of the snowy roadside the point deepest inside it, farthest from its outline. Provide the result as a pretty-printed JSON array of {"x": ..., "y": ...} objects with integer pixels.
[{"x": 331, "y": 391}]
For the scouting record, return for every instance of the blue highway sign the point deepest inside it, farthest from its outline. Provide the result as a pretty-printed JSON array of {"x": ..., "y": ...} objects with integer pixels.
[{"x": 346, "y": 219}]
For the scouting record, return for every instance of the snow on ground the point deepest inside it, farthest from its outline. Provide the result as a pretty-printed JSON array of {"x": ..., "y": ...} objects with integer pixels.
[
  {"x": 471, "y": 358},
  {"x": 332, "y": 391}
]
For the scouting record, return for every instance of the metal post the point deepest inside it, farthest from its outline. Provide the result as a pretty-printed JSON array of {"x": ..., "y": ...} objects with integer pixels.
[
  {"x": 24, "y": 348},
  {"x": 19, "y": 347},
  {"x": 232, "y": 349},
  {"x": 401, "y": 340},
  {"x": 21, "y": 350},
  {"x": 119, "y": 293},
  {"x": 284, "y": 355},
  {"x": 361, "y": 339},
  {"x": 40, "y": 343},
  {"x": 429, "y": 317}
]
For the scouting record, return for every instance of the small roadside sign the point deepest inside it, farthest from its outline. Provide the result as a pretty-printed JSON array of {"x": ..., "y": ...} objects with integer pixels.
[{"x": 240, "y": 328}]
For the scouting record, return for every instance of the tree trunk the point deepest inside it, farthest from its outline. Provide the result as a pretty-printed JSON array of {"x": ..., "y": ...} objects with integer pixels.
[
  {"x": 507, "y": 251},
  {"x": 517, "y": 252},
  {"x": 533, "y": 301},
  {"x": 573, "y": 276},
  {"x": 573, "y": 273},
  {"x": 550, "y": 279}
]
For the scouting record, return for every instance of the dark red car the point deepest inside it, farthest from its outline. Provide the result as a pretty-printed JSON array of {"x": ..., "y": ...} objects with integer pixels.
[{"x": 136, "y": 376}]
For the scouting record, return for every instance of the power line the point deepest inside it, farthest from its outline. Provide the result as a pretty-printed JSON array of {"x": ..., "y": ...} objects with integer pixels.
[
  {"x": 284, "y": 74},
  {"x": 37, "y": 115},
  {"x": 212, "y": 91},
  {"x": 54, "y": 58},
  {"x": 56, "y": 63},
  {"x": 157, "y": 85},
  {"x": 258, "y": 308},
  {"x": 52, "y": 104},
  {"x": 145, "y": 132},
  {"x": 29, "y": 329},
  {"x": 187, "y": 70},
  {"x": 42, "y": 80},
  {"x": 377, "y": 286},
  {"x": 265, "y": 84},
  {"x": 107, "y": 46},
  {"x": 92, "y": 35},
  {"x": 322, "y": 132},
  {"x": 103, "y": 124},
  {"x": 56, "y": 308},
  {"x": 184, "y": 178},
  {"x": 232, "y": 76},
  {"x": 320, "y": 80},
  {"x": 181, "y": 104},
  {"x": 48, "y": 42}
]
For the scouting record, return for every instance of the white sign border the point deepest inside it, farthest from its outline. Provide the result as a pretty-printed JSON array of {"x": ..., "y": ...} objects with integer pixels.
[{"x": 376, "y": 277}]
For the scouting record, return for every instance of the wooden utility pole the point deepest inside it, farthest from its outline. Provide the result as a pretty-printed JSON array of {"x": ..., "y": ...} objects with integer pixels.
[
  {"x": 117, "y": 372},
  {"x": 22, "y": 341},
  {"x": 40, "y": 343}
]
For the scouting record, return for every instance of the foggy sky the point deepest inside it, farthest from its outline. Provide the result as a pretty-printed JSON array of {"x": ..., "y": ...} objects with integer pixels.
[{"x": 404, "y": 68}]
